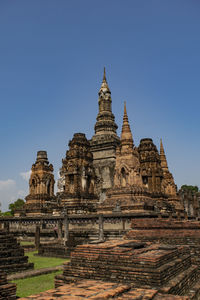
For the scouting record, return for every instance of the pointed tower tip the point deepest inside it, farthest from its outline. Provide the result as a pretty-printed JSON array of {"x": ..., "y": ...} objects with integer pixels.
[
  {"x": 126, "y": 134},
  {"x": 104, "y": 74},
  {"x": 163, "y": 157},
  {"x": 161, "y": 147},
  {"x": 125, "y": 112},
  {"x": 104, "y": 85}
]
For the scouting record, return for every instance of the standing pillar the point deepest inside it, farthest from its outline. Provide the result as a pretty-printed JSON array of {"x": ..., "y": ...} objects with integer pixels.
[
  {"x": 66, "y": 229},
  {"x": 37, "y": 236},
  {"x": 60, "y": 230},
  {"x": 123, "y": 224},
  {"x": 101, "y": 233}
]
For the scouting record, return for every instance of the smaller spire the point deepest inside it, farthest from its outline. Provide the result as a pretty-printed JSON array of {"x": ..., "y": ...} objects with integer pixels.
[
  {"x": 162, "y": 152},
  {"x": 126, "y": 135},
  {"x": 163, "y": 159}
]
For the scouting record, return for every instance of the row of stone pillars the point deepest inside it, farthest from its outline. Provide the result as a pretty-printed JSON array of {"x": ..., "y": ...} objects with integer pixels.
[{"x": 59, "y": 230}]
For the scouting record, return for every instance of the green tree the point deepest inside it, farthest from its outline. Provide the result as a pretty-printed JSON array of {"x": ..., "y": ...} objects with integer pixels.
[
  {"x": 192, "y": 188},
  {"x": 19, "y": 203},
  {"x": 6, "y": 214}
]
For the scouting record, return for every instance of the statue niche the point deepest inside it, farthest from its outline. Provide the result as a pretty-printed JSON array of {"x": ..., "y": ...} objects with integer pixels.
[{"x": 123, "y": 177}]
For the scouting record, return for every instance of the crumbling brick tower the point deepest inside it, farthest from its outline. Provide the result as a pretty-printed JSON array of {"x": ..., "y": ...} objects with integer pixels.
[
  {"x": 79, "y": 191},
  {"x": 151, "y": 170},
  {"x": 41, "y": 186}
]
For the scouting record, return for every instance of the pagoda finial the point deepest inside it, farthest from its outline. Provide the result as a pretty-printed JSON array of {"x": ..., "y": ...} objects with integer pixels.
[
  {"x": 126, "y": 135},
  {"x": 125, "y": 112},
  {"x": 104, "y": 74},
  {"x": 104, "y": 86}
]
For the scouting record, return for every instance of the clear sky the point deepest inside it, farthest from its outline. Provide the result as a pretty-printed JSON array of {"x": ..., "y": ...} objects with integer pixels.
[{"x": 52, "y": 54}]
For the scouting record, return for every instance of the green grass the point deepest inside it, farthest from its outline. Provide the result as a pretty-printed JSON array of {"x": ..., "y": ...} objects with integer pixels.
[
  {"x": 41, "y": 283},
  {"x": 24, "y": 243},
  {"x": 44, "y": 262},
  {"x": 35, "y": 285}
]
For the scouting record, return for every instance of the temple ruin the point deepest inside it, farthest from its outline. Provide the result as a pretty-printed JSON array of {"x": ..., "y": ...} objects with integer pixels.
[{"x": 104, "y": 173}]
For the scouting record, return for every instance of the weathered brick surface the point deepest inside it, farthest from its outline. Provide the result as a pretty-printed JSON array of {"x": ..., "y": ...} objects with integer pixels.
[
  {"x": 98, "y": 290},
  {"x": 7, "y": 290},
  {"x": 165, "y": 268},
  {"x": 170, "y": 232}
]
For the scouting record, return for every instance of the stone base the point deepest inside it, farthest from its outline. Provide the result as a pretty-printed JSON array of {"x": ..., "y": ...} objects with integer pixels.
[
  {"x": 167, "y": 269},
  {"x": 54, "y": 249},
  {"x": 78, "y": 204}
]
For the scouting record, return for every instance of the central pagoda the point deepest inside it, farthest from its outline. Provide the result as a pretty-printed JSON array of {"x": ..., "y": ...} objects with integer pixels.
[{"x": 105, "y": 141}]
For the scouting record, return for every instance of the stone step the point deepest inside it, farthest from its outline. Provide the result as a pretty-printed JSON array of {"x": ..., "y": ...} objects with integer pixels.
[
  {"x": 17, "y": 259},
  {"x": 17, "y": 267},
  {"x": 183, "y": 282},
  {"x": 194, "y": 291},
  {"x": 11, "y": 253}
]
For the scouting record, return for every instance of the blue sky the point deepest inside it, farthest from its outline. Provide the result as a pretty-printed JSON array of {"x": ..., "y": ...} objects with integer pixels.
[{"x": 52, "y": 55}]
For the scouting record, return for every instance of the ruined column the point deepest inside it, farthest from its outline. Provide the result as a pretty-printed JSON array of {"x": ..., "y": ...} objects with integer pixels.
[
  {"x": 60, "y": 230},
  {"x": 101, "y": 233},
  {"x": 66, "y": 229},
  {"x": 37, "y": 236}
]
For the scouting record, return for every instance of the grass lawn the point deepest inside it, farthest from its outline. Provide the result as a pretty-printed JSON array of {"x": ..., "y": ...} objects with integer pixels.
[
  {"x": 44, "y": 262},
  {"x": 35, "y": 285},
  {"x": 24, "y": 243}
]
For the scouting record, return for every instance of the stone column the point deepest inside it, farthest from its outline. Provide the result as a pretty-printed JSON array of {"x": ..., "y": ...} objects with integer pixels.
[
  {"x": 60, "y": 230},
  {"x": 101, "y": 233},
  {"x": 123, "y": 224},
  {"x": 37, "y": 236},
  {"x": 66, "y": 229}
]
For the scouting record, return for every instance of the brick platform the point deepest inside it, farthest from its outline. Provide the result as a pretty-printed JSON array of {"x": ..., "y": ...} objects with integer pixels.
[
  {"x": 168, "y": 231},
  {"x": 98, "y": 290},
  {"x": 54, "y": 249},
  {"x": 12, "y": 257},
  {"x": 165, "y": 268},
  {"x": 7, "y": 290}
]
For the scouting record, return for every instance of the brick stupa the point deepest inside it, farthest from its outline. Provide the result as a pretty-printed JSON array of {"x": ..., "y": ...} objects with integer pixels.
[{"x": 12, "y": 257}]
